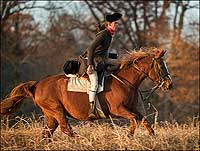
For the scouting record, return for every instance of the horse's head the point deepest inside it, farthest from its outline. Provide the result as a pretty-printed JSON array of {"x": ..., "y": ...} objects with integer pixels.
[
  {"x": 159, "y": 72},
  {"x": 151, "y": 64}
]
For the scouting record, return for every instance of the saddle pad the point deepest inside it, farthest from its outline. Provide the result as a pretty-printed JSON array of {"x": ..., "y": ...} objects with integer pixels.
[{"x": 81, "y": 84}]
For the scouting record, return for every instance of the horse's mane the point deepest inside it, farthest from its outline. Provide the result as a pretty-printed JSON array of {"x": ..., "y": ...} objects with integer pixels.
[{"x": 133, "y": 56}]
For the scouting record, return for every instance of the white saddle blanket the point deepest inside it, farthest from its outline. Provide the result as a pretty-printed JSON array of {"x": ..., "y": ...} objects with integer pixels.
[{"x": 81, "y": 84}]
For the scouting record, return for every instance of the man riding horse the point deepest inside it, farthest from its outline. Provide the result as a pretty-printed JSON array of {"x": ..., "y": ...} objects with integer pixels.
[
  {"x": 96, "y": 53},
  {"x": 120, "y": 100}
]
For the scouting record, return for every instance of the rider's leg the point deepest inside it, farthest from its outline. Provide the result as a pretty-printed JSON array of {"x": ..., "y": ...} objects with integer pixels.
[{"x": 92, "y": 91}]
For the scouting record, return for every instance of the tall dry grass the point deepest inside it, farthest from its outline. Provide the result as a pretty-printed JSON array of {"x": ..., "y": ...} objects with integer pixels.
[{"x": 27, "y": 134}]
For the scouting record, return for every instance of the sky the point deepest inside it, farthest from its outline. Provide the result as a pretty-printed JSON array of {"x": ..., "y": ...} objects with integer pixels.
[
  {"x": 72, "y": 7},
  {"x": 41, "y": 15}
]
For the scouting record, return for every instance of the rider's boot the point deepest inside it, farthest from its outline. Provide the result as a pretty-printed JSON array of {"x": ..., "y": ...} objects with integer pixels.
[{"x": 92, "y": 96}]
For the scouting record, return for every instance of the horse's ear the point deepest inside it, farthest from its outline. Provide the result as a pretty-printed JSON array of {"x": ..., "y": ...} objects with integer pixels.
[{"x": 160, "y": 53}]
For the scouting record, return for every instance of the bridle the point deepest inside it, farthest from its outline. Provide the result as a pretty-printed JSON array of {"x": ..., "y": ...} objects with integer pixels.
[
  {"x": 159, "y": 82},
  {"x": 161, "y": 76}
]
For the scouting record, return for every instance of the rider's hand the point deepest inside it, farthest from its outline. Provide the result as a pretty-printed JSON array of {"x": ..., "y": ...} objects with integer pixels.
[{"x": 90, "y": 69}]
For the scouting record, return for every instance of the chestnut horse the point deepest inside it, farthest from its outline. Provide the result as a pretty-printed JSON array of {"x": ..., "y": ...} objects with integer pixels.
[{"x": 119, "y": 99}]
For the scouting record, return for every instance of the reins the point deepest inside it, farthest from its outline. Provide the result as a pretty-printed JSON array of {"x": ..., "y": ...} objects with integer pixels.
[
  {"x": 121, "y": 81},
  {"x": 137, "y": 68},
  {"x": 140, "y": 91}
]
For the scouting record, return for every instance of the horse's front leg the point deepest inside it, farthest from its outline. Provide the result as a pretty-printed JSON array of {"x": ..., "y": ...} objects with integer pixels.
[
  {"x": 144, "y": 123},
  {"x": 123, "y": 112}
]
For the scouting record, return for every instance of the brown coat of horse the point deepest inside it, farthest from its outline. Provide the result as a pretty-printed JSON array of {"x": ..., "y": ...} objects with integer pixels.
[{"x": 56, "y": 102}]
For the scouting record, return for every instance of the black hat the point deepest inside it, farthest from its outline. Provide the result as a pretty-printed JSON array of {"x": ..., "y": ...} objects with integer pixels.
[{"x": 113, "y": 17}]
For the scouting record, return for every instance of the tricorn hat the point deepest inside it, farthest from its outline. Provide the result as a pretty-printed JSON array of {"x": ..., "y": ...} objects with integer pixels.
[{"x": 113, "y": 17}]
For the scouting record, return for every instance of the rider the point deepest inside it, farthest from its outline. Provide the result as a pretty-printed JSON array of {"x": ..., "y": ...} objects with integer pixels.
[{"x": 96, "y": 54}]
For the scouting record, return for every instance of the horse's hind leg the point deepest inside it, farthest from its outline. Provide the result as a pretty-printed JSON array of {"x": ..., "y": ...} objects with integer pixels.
[
  {"x": 51, "y": 126},
  {"x": 144, "y": 123},
  {"x": 64, "y": 125},
  {"x": 62, "y": 121},
  {"x": 57, "y": 111},
  {"x": 59, "y": 115}
]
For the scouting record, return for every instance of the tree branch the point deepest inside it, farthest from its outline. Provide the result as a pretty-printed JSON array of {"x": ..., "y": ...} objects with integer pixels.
[{"x": 92, "y": 11}]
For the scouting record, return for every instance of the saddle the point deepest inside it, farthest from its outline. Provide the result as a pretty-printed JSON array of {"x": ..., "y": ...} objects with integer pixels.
[{"x": 82, "y": 84}]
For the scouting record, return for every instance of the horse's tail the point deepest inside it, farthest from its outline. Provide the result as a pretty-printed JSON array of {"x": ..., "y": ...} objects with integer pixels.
[{"x": 15, "y": 98}]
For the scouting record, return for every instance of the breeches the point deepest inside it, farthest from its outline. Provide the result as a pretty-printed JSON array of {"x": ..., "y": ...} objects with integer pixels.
[{"x": 93, "y": 81}]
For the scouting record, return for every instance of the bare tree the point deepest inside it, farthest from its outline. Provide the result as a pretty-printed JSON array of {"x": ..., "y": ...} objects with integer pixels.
[
  {"x": 18, "y": 37},
  {"x": 178, "y": 21},
  {"x": 139, "y": 17}
]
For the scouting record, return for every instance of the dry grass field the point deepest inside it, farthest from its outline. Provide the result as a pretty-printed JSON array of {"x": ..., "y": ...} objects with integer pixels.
[{"x": 26, "y": 134}]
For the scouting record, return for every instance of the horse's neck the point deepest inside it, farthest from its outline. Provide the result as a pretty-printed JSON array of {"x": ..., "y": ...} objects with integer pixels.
[{"x": 132, "y": 75}]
